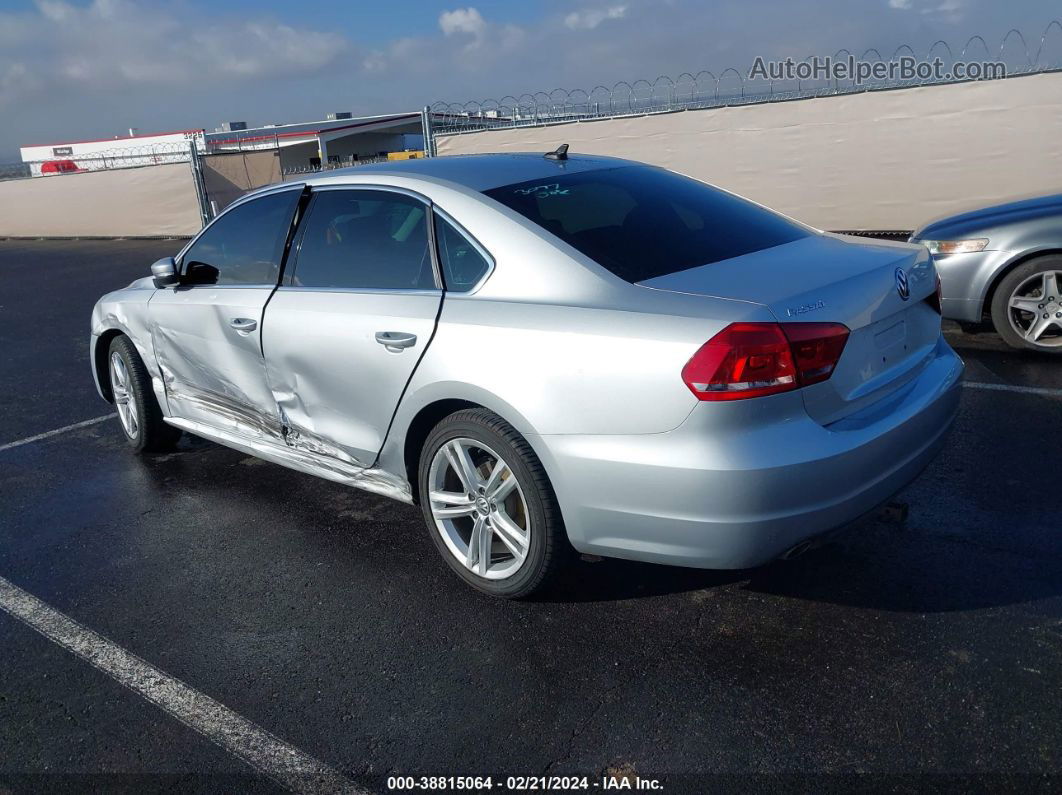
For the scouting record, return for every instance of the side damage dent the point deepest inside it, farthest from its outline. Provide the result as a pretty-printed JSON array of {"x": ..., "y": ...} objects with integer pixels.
[{"x": 266, "y": 447}]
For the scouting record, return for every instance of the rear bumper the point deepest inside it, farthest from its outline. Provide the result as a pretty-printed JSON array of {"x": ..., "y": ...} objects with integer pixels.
[{"x": 740, "y": 483}]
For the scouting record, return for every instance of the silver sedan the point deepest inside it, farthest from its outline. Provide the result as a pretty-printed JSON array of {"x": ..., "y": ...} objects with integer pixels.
[
  {"x": 547, "y": 354},
  {"x": 1003, "y": 263}
]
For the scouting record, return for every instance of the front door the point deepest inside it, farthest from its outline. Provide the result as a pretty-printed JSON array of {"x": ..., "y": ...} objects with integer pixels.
[
  {"x": 207, "y": 330},
  {"x": 356, "y": 312}
]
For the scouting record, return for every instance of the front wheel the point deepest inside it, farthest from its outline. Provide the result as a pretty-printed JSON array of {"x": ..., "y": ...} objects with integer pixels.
[
  {"x": 134, "y": 399},
  {"x": 1027, "y": 306},
  {"x": 489, "y": 505}
]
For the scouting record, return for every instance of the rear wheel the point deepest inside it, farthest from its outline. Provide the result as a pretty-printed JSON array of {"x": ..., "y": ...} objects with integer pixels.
[
  {"x": 489, "y": 506},
  {"x": 134, "y": 400},
  {"x": 1027, "y": 306}
]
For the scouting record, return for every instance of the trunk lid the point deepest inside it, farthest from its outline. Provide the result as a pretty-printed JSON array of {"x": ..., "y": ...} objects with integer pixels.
[{"x": 829, "y": 278}]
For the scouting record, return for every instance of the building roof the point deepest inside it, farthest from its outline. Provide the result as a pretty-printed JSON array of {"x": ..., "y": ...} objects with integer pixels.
[
  {"x": 118, "y": 138},
  {"x": 312, "y": 129}
]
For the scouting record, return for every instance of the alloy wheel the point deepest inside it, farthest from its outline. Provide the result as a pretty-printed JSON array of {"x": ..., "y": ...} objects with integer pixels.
[
  {"x": 123, "y": 397},
  {"x": 479, "y": 508},
  {"x": 1035, "y": 309}
]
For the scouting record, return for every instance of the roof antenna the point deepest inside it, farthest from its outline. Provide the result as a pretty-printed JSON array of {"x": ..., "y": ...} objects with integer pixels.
[{"x": 561, "y": 153}]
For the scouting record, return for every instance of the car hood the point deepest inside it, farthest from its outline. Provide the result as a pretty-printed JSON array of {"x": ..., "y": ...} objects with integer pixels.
[{"x": 975, "y": 222}]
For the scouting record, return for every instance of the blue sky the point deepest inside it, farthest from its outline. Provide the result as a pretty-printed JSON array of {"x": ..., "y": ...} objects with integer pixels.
[{"x": 80, "y": 68}]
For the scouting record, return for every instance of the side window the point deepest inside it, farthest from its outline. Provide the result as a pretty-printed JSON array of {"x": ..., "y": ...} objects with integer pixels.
[
  {"x": 245, "y": 245},
  {"x": 365, "y": 239},
  {"x": 462, "y": 264}
]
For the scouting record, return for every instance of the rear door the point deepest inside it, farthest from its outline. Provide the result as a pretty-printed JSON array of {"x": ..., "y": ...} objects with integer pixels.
[
  {"x": 207, "y": 330},
  {"x": 355, "y": 313}
]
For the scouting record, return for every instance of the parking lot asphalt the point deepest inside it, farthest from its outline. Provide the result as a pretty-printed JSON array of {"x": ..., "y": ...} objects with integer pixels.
[{"x": 323, "y": 614}]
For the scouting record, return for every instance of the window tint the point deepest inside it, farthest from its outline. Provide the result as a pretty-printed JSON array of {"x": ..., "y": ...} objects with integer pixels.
[
  {"x": 245, "y": 245},
  {"x": 365, "y": 239},
  {"x": 462, "y": 264},
  {"x": 641, "y": 222}
]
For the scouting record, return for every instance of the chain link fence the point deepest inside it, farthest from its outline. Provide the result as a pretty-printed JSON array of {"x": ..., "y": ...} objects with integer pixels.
[
  {"x": 102, "y": 160},
  {"x": 707, "y": 89},
  {"x": 331, "y": 165}
]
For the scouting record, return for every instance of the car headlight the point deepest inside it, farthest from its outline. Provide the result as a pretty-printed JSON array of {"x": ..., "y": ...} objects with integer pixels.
[{"x": 941, "y": 248}]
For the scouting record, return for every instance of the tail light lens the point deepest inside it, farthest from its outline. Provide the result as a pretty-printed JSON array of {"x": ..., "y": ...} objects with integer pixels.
[
  {"x": 747, "y": 360},
  {"x": 817, "y": 348},
  {"x": 743, "y": 360}
]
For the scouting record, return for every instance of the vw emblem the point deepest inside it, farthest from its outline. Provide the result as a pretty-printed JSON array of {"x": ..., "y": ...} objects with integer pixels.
[{"x": 902, "y": 287}]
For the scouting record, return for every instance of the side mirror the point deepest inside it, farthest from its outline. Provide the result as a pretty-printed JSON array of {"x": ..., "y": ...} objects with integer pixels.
[{"x": 165, "y": 272}]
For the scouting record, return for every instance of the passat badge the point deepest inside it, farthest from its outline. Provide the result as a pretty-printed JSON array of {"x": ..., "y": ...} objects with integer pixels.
[
  {"x": 902, "y": 285},
  {"x": 803, "y": 309}
]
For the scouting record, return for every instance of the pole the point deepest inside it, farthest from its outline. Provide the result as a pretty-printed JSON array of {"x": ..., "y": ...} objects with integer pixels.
[
  {"x": 426, "y": 133},
  {"x": 197, "y": 180}
]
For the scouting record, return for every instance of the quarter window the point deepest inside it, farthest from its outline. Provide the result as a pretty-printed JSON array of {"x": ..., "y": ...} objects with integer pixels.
[
  {"x": 462, "y": 263},
  {"x": 365, "y": 239},
  {"x": 245, "y": 245}
]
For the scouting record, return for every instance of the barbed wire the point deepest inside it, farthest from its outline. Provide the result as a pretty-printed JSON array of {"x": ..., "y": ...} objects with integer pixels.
[
  {"x": 348, "y": 162},
  {"x": 102, "y": 160},
  {"x": 14, "y": 171},
  {"x": 706, "y": 89}
]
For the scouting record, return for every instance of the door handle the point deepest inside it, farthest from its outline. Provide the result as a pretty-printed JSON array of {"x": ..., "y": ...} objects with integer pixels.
[
  {"x": 243, "y": 324},
  {"x": 395, "y": 341}
]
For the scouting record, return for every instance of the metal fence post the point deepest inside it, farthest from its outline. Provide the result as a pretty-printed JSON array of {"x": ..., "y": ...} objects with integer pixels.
[
  {"x": 426, "y": 132},
  {"x": 200, "y": 185}
]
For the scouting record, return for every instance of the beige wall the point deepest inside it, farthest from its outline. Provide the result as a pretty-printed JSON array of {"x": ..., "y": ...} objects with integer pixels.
[
  {"x": 127, "y": 202},
  {"x": 879, "y": 160},
  {"x": 229, "y": 176}
]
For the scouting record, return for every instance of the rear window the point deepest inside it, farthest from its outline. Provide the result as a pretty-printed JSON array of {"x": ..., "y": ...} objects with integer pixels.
[{"x": 641, "y": 222}]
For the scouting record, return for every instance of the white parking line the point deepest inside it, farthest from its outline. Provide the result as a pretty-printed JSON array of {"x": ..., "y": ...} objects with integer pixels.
[
  {"x": 56, "y": 432},
  {"x": 286, "y": 765},
  {"x": 1021, "y": 390}
]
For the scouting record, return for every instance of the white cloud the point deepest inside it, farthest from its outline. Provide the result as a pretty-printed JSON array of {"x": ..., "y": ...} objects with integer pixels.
[
  {"x": 462, "y": 20},
  {"x": 591, "y": 18},
  {"x": 947, "y": 10},
  {"x": 111, "y": 44},
  {"x": 472, "y": 30},
  {"x": 56, "y": 11},
  {"x": 256, "y": 49},
  {"x": 16, "y": 81}
]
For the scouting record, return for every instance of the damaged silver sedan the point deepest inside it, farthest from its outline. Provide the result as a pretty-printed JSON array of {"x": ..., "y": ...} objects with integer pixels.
[{"x": 546, "y": 354}]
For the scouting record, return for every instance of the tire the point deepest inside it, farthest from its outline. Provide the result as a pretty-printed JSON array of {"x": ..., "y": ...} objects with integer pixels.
[
  {"x": 134, "y": 398},
  {"x": 1030, "y": 285},
  {"x": 514, "y": 516}
]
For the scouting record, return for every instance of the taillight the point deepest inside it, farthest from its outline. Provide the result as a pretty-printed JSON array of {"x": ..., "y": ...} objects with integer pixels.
[
  {"x": 934, "y": 300},
  {"x": 753, "y": 359},
  {"x": 817, "y": 348},
  {"x": 741, "y": 361}
]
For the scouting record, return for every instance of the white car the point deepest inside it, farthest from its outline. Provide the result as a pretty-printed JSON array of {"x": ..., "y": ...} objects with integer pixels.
[{"x": 546, "y": 353}]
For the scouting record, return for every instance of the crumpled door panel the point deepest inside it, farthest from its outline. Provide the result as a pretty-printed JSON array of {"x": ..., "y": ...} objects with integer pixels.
[
  {"x": 335, "y": 387},
  {"x": 213, "y": 373}
]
